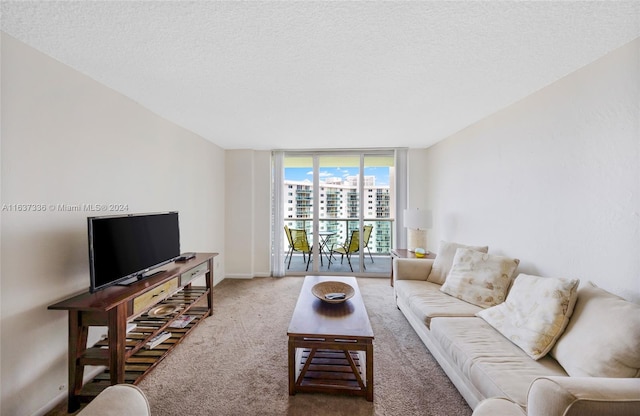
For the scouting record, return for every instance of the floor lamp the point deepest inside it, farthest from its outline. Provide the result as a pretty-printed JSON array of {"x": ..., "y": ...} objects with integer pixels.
[{"x": 417, "y": 221}]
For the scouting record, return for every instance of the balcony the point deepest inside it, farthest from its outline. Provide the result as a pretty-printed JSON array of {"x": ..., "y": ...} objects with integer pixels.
[{"x": 378, "y": 263}]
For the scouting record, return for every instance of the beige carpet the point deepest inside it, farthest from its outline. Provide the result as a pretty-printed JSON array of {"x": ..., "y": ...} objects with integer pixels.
[{"x": 235, "y": 363}]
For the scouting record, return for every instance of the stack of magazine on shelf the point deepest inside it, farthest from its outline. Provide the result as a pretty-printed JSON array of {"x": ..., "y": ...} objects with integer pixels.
[
  {"x": 182, "y": 321},
  {"x": 157, "y": 340}
]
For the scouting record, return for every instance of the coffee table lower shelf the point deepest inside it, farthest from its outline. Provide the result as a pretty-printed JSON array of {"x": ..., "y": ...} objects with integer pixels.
[{"x": 331, "y": 366}]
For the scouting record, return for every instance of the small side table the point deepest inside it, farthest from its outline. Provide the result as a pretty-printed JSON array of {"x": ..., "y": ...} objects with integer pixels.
[{"x": 403, "y": 253}]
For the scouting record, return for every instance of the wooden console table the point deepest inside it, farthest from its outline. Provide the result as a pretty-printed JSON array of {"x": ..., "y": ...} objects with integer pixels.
[
  {"x": 403, "y": 253},
  {"x": 123, "y": 353}
]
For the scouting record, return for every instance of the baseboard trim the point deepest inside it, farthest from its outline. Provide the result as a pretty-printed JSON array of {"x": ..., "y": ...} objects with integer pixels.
[
  {"x": 246, "y": 276},
  {"x": 62, "y": 396}
]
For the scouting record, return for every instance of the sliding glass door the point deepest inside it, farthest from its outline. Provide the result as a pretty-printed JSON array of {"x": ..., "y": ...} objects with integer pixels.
[{"x": 338, "y": 212}]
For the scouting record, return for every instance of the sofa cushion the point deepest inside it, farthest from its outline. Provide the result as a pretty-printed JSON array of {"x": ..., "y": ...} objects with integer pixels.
[
  {"x": 602, "y": 338},
  {"x": 535, "y": 312},
  {"x": 426, "y": 301},
  {"x": 411, "y": 269},
  {"x": 480, "y": 278},
  {"x": 444, "y": 260},
  {"x": 495, "y": 366}
]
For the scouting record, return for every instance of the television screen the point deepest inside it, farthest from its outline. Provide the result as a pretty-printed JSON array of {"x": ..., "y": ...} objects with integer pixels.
[{"x": 125, "y": 247}]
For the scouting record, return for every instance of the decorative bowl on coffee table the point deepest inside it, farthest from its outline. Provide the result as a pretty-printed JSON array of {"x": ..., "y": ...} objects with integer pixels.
[{"x": 332, "y": 291}]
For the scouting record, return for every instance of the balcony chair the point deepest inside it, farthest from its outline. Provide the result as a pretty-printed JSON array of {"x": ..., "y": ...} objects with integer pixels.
[
  {"x": 287, "y": 232},
  {"x": 349, "y": 247},
  {"x": 365, "y": 236},
  {"x": 298, "y": 242}
]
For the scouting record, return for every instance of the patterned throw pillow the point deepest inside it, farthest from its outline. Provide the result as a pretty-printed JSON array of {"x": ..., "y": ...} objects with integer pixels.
[
  {"x": 444, "y": 260},
  {"x": 602, "y": 338},
  {"x": 479, "y": 278},
  {"x": 535, "y": 313}
]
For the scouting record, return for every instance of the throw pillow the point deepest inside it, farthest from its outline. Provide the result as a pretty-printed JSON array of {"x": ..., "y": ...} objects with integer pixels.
[
  {"x": 535, "y": 313},
  {"x": 444, "y": 260},
  {"x": 479, "y": 278},
  {"x": 602, "y": 338}
]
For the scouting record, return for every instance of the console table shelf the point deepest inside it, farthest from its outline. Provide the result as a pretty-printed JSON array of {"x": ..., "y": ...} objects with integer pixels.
[{"x": 122, "y": 353}]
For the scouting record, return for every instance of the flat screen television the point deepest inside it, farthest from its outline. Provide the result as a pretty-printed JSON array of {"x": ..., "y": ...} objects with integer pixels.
[{"x": 122, "y": 249}]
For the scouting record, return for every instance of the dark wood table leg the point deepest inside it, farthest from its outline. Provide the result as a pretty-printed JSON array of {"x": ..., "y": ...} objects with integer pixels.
[
  {"x": 209, "y": 283},
  {"x": 392, "y": 257},
  {"x": 77, "y": 344},
  {"x": 369, "y": 359},
  {"x": 117, "y": 339},
  {"x": 292, "y": 367}
]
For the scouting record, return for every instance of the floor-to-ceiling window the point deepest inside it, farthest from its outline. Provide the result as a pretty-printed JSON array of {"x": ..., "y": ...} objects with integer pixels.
[{"x": 342, "y": 204}]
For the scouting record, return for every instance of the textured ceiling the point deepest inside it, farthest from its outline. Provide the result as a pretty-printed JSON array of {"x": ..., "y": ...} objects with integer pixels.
[{"x": 290, "y": 75}]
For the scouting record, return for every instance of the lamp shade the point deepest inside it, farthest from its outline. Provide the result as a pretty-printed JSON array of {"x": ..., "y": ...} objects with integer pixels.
[{"x": 417, "y": 219}]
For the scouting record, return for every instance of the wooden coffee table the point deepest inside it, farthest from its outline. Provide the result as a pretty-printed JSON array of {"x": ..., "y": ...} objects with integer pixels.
[{"x": 330, "y": 345}]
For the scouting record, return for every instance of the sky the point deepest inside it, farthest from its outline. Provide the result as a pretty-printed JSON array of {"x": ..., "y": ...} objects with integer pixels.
[{"x": 301, "y": 174}]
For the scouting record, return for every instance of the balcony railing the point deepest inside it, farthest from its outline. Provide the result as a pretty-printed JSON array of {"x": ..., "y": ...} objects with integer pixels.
[{"x": 380, "y": 242}]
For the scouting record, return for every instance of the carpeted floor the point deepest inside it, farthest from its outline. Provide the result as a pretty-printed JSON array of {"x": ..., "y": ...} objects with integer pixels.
[{"x": 235, "y": 363}]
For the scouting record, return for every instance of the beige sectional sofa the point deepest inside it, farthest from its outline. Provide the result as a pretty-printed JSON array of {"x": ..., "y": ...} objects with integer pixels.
[{"x": 587, "y": 362}]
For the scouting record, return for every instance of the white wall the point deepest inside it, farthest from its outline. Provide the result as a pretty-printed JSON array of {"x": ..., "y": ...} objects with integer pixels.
[
  {"x": 553, "y": 180},
  {"x": 68, "y": 140},
  {"x": 248, "y": 214}
]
